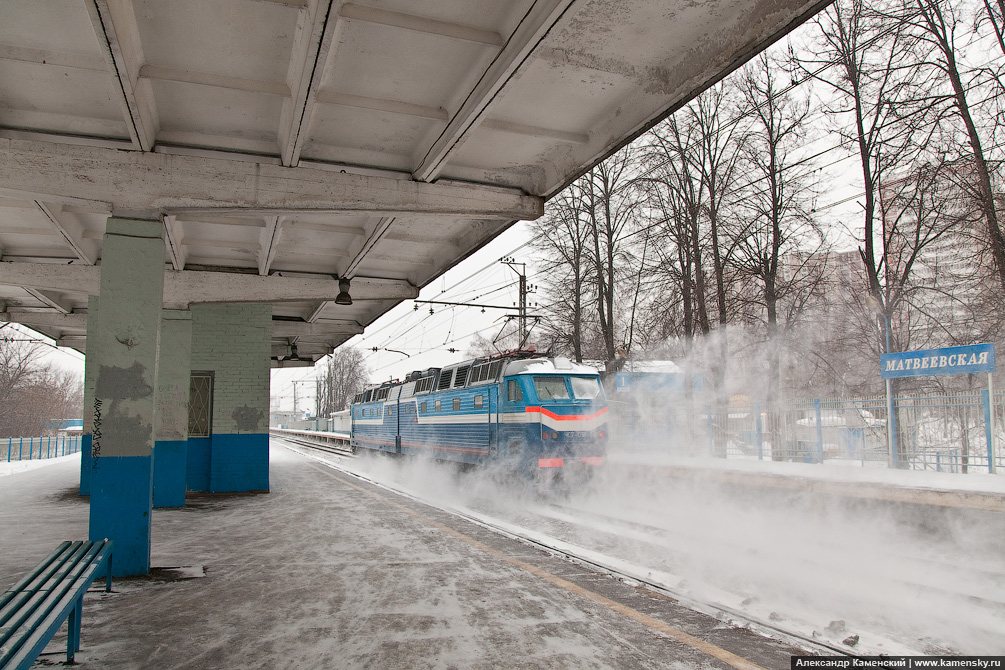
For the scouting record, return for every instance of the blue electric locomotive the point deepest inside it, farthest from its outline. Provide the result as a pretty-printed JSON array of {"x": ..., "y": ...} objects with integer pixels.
[{"x": 519, "y": 410}]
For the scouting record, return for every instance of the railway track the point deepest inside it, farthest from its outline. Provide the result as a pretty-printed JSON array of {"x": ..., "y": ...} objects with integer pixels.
[
  {"x": 992, "y": 582},
  {"x": 338, "y": 448},
  {"x": 605, "y": 564},
  {"x": 629, "y": 545}
]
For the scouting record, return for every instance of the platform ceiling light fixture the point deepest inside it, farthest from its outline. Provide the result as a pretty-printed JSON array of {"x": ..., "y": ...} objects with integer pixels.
[{"x": 343, "y": 297}]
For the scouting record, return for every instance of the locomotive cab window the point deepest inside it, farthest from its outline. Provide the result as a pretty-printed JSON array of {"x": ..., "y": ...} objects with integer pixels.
[
  {"x": 423, "y": 407},
  {"x": 585, "y": 388},
  {"x": 513, "y": 392},
  {"x": 551, "y": 388}
]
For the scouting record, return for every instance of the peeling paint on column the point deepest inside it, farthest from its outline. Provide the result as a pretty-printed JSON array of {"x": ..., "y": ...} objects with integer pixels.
[
  {"x": 113, "y": 391},
  {"x": 118, "y": 383},
  {"x": 247, "y": 418},
  {"x": 121, "y": 428}
]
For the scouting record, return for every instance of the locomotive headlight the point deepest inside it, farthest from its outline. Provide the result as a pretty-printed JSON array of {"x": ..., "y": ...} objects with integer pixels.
[{"x": 554, "y": 435}]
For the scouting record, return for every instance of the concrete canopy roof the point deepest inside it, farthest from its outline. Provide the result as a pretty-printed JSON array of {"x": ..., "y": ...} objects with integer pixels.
[{"x": 287, "y": 143}]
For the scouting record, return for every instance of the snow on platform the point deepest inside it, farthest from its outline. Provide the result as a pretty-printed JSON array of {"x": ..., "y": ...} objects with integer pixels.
[{"x": 327, "y": 571}]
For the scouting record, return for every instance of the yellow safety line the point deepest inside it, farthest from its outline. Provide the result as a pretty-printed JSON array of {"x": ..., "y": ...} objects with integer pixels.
[{"x": 706, "y": 647}]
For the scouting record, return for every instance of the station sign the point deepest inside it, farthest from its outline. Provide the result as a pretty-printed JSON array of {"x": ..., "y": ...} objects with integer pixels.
[
  {"x": 936, "y": 362},
  {"x": 622, "y": 382}
]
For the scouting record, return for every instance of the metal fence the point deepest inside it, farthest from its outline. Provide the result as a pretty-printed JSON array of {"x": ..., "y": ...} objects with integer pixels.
[
  {"x": 28, "y": 448},
  {"x": 945, "y": 433}
]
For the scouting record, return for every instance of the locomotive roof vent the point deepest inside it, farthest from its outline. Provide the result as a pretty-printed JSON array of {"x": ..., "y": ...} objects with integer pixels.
[{"x": 562, "y": 363}]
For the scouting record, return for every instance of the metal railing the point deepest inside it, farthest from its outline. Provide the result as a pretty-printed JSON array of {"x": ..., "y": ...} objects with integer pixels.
[
  {"x": 28, "y": 448},
  {"x": 944, "y": 433}
]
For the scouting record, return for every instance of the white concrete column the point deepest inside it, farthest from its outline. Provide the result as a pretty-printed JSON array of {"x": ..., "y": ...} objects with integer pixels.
[
  {"x": 171, "y": 420},
  {"x": 127, "y": 335},
  {"x": 233, "y": 343},
  {"x": 90, "y": 376}
]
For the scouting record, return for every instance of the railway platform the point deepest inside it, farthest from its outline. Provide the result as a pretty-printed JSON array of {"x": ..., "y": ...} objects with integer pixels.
[{"x": 328, "y": 571}]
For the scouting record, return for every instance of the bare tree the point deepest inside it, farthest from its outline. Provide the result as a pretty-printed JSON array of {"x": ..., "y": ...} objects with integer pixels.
[
  {"x": 564, "y": 239},
  {"x": 777, "y": 202},
  {"x": 608, "y": 196},
  {"x": 941, "y": 37},
  {"x": 689, "y": 183},
  {"x": 343, "y": 376},
  {"x": 929, "y": 291},
  {"x": 32, "y": 394},
  {"x": 677, "y": 145},
  {"x": 861, "y": 56}
]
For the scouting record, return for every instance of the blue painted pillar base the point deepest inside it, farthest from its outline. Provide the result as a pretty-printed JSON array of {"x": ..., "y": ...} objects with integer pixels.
[
  {"x": 121, "y": 505},
  {"x": 170, "y": 457},
  {"x": 197, "y": 465},
  {"x": 85, "y": 465},
  {"x": 239, "y": 462}
]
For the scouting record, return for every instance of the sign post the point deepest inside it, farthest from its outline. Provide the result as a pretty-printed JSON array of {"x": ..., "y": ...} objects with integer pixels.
[
  {"x": 891, "y": 431},
  {"x": 936, "y": 362}
]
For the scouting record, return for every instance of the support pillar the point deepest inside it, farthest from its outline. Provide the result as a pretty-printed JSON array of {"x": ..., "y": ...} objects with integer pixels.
[
  {"x": 90, "y": 376},
  {"x": 127, "y": 334},
  {"x": 171, "y": 421},
  {"x": 231, "y": 348}
]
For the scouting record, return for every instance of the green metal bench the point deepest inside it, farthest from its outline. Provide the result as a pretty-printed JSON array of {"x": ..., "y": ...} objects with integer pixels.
[{"x": 35, "y": 608}]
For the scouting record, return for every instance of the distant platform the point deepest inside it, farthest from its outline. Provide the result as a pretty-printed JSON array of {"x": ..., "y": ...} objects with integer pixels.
[{"x": 974, "y": 491}]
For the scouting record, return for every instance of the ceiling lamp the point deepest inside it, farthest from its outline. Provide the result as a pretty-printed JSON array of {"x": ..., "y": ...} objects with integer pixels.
[{"x": 343, "y": 297}]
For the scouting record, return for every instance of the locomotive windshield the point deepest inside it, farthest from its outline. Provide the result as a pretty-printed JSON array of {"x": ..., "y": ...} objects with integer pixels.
[
  {"x": 585, "y": 388},
  {"x": 556, "y": 388},
  {"x": 551, "y": 388}
]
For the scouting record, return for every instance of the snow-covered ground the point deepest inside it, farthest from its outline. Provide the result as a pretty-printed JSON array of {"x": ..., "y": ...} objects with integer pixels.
[
  {"x": 934, "y": 584},
  {"x": 13, "y": 467},
  {"x": 898, "y": 582},
  {"x": 830, "y": 470}
]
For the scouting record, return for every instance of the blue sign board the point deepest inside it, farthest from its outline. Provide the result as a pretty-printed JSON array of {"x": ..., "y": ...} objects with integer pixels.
[
  {"x": 934, "y": 362},
  {"x": 622, "y": 382}
]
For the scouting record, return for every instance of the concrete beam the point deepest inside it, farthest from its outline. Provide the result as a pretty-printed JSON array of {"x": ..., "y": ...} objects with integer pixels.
[
  {"x": 62, "y": 321},
  {"x": 156, "y": 184},
  {"x": 190, "y": 286},
  {"x": 304, "y": 350},
  {"x": 184, "y": 76},
  {"x": 173, "y": 243},
  {"x": 78, "y": 342},
  {"x": 535, "y": 25},
  {"x": 78, "y": 321},
  {"x": 317, "y": 36},
  {"x": 286, "y": 363},
  {"x": 315, "y": 329},
  {"x": 421, "y": 24},
  {"x": 70, "y": 237},
  {"x": 55, "y": 301},
  {"x": 268, "y": 242},
  {"x": 383, "y": 105},
  {"x": 118, "y": 38},
  {"x": 360, "y": 248}
]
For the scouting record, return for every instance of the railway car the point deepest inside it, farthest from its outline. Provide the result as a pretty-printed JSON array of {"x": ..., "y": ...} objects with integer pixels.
[{"x": 519, "y": 410}]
